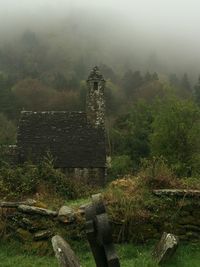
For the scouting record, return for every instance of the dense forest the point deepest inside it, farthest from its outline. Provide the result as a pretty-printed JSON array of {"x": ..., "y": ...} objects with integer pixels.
[{"x": 149, "y": 113}]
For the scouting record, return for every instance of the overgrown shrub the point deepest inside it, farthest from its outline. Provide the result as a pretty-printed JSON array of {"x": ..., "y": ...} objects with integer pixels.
[
  {"x": 18, "y": 181},
  {"x": 175, "y": 135},
  {"x": 128, "y": 201},
  {"x": 156, "y": 173},
  {"x": 63, "y": 184},
  {"x": 120, "y": 166},
  {"x": 130, "y": 133},
  {"x": 7, "y": 131},
  {"x": 25, "y": 180}
]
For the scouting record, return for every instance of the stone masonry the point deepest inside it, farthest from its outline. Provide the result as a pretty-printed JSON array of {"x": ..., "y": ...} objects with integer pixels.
[{"x": 76, "y": 140}]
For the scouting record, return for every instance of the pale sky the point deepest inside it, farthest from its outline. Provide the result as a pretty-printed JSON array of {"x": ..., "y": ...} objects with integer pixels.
[
  {"x": 146, "y": 13},
  {"x": 169, "y": 27}
]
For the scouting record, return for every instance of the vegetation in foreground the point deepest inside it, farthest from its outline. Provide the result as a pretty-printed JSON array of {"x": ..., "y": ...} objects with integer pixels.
[
  {"x": 130, "y": 255},
  {"x": 130, "y": 201},
  {"x": 40, "y": 181}
]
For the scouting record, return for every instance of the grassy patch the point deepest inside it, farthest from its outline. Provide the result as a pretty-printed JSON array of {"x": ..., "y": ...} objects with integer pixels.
[
  {"x": 140, "y": 256},
  {"x": 78, "y": 202},
  {"x": 13, "y": 256},
  {"x": 130, "y": 256}
]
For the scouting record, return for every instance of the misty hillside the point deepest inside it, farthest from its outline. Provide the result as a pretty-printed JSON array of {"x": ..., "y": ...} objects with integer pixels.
[
  {"x": 134, "y": 67},
  {"x": 150, "y": 61},
  {"x": 123, "y": 34}
]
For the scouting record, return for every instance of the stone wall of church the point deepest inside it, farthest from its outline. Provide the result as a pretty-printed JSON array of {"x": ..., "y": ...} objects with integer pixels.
[{"x": 91, "y": 176}]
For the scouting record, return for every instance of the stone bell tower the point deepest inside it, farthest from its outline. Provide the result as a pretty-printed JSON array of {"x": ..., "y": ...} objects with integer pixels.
[{"x": 96, "y": 98}]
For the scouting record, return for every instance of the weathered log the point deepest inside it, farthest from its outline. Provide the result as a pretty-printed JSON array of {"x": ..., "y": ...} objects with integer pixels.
[
  {"x": 63, "y": 252},
  {"x": 36, "y": 210},
  {"x": 15, "y": 204},
  {"x": 165, "y": 248}
]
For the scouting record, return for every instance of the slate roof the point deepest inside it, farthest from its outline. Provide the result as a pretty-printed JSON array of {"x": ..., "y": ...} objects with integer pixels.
[{"x": 68, "y": 136}]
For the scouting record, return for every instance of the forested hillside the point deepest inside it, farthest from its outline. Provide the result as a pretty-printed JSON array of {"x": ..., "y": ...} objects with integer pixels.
[
  {"x": 148, "y": 170},
  {"x": 149, "y": 113}
]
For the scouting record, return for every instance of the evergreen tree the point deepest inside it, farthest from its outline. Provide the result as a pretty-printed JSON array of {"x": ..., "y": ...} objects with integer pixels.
[
  {"x": 147, "y": 77},
  {"x": 173, "y": 79},
  {"x": 197, "y": 92},
  {"x": 132, "y": 81},
  {"x": 155, "y": 76},
  {"x": 185, "y": 83},
  {"x": 108, "y": 72},
  {"x": 131, "y": 131},
  {"x": 175, "y": 135}
]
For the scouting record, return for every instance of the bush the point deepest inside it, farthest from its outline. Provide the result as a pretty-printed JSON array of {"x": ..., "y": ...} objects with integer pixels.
[
  {"x": 130, "y": 133},
  {"x": 120, "y": 166},
  {"x": 63, "y": 184},
  {"x": 25, "y": 180},
  {"x": 128, "y": 202},
  {"x": 7, "y": 131},
  {"x": 175, "y": 136},
  {"x": 156, "y": 173},
  {"x": 18, "y": 181}
]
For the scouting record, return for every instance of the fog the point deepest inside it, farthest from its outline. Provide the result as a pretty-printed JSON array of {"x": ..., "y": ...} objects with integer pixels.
[{"x": 156, "y": 35}]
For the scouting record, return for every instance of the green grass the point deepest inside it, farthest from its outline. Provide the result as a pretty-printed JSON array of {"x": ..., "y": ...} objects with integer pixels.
[
  {"x": 78, "y": 202},
  {"x": 140, "y": 256},
  {"x": 12, "y": 255}
]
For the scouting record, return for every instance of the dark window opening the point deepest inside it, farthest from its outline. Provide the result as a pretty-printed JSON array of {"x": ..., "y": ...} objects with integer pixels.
[{"x": 95, "y": 85}]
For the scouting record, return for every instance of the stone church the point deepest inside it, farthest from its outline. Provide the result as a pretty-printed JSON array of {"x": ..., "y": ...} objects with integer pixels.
[{"x": 76, "y": 140}]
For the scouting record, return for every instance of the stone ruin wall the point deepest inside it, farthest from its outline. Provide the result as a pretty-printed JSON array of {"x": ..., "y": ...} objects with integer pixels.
[
  {"x": 91, "y": 176},
  {"x": 36, "y": 225},
  {"x": 177, "y": 213}
]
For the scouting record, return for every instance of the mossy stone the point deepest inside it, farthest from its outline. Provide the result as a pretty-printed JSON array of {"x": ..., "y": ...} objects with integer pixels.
[
  {"x": 23, "y": 235},
  {"x": 41, "y": 247}
]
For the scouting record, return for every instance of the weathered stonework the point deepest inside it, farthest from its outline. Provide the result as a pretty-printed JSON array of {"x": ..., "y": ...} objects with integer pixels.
[
  {"x": 70, "y": 139},
  {"x": 165, "y": 248},
  {"x": 96, "y": 99},
  {"x": 76, "y": 140},
  {"x": 29, "y": 222}
]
